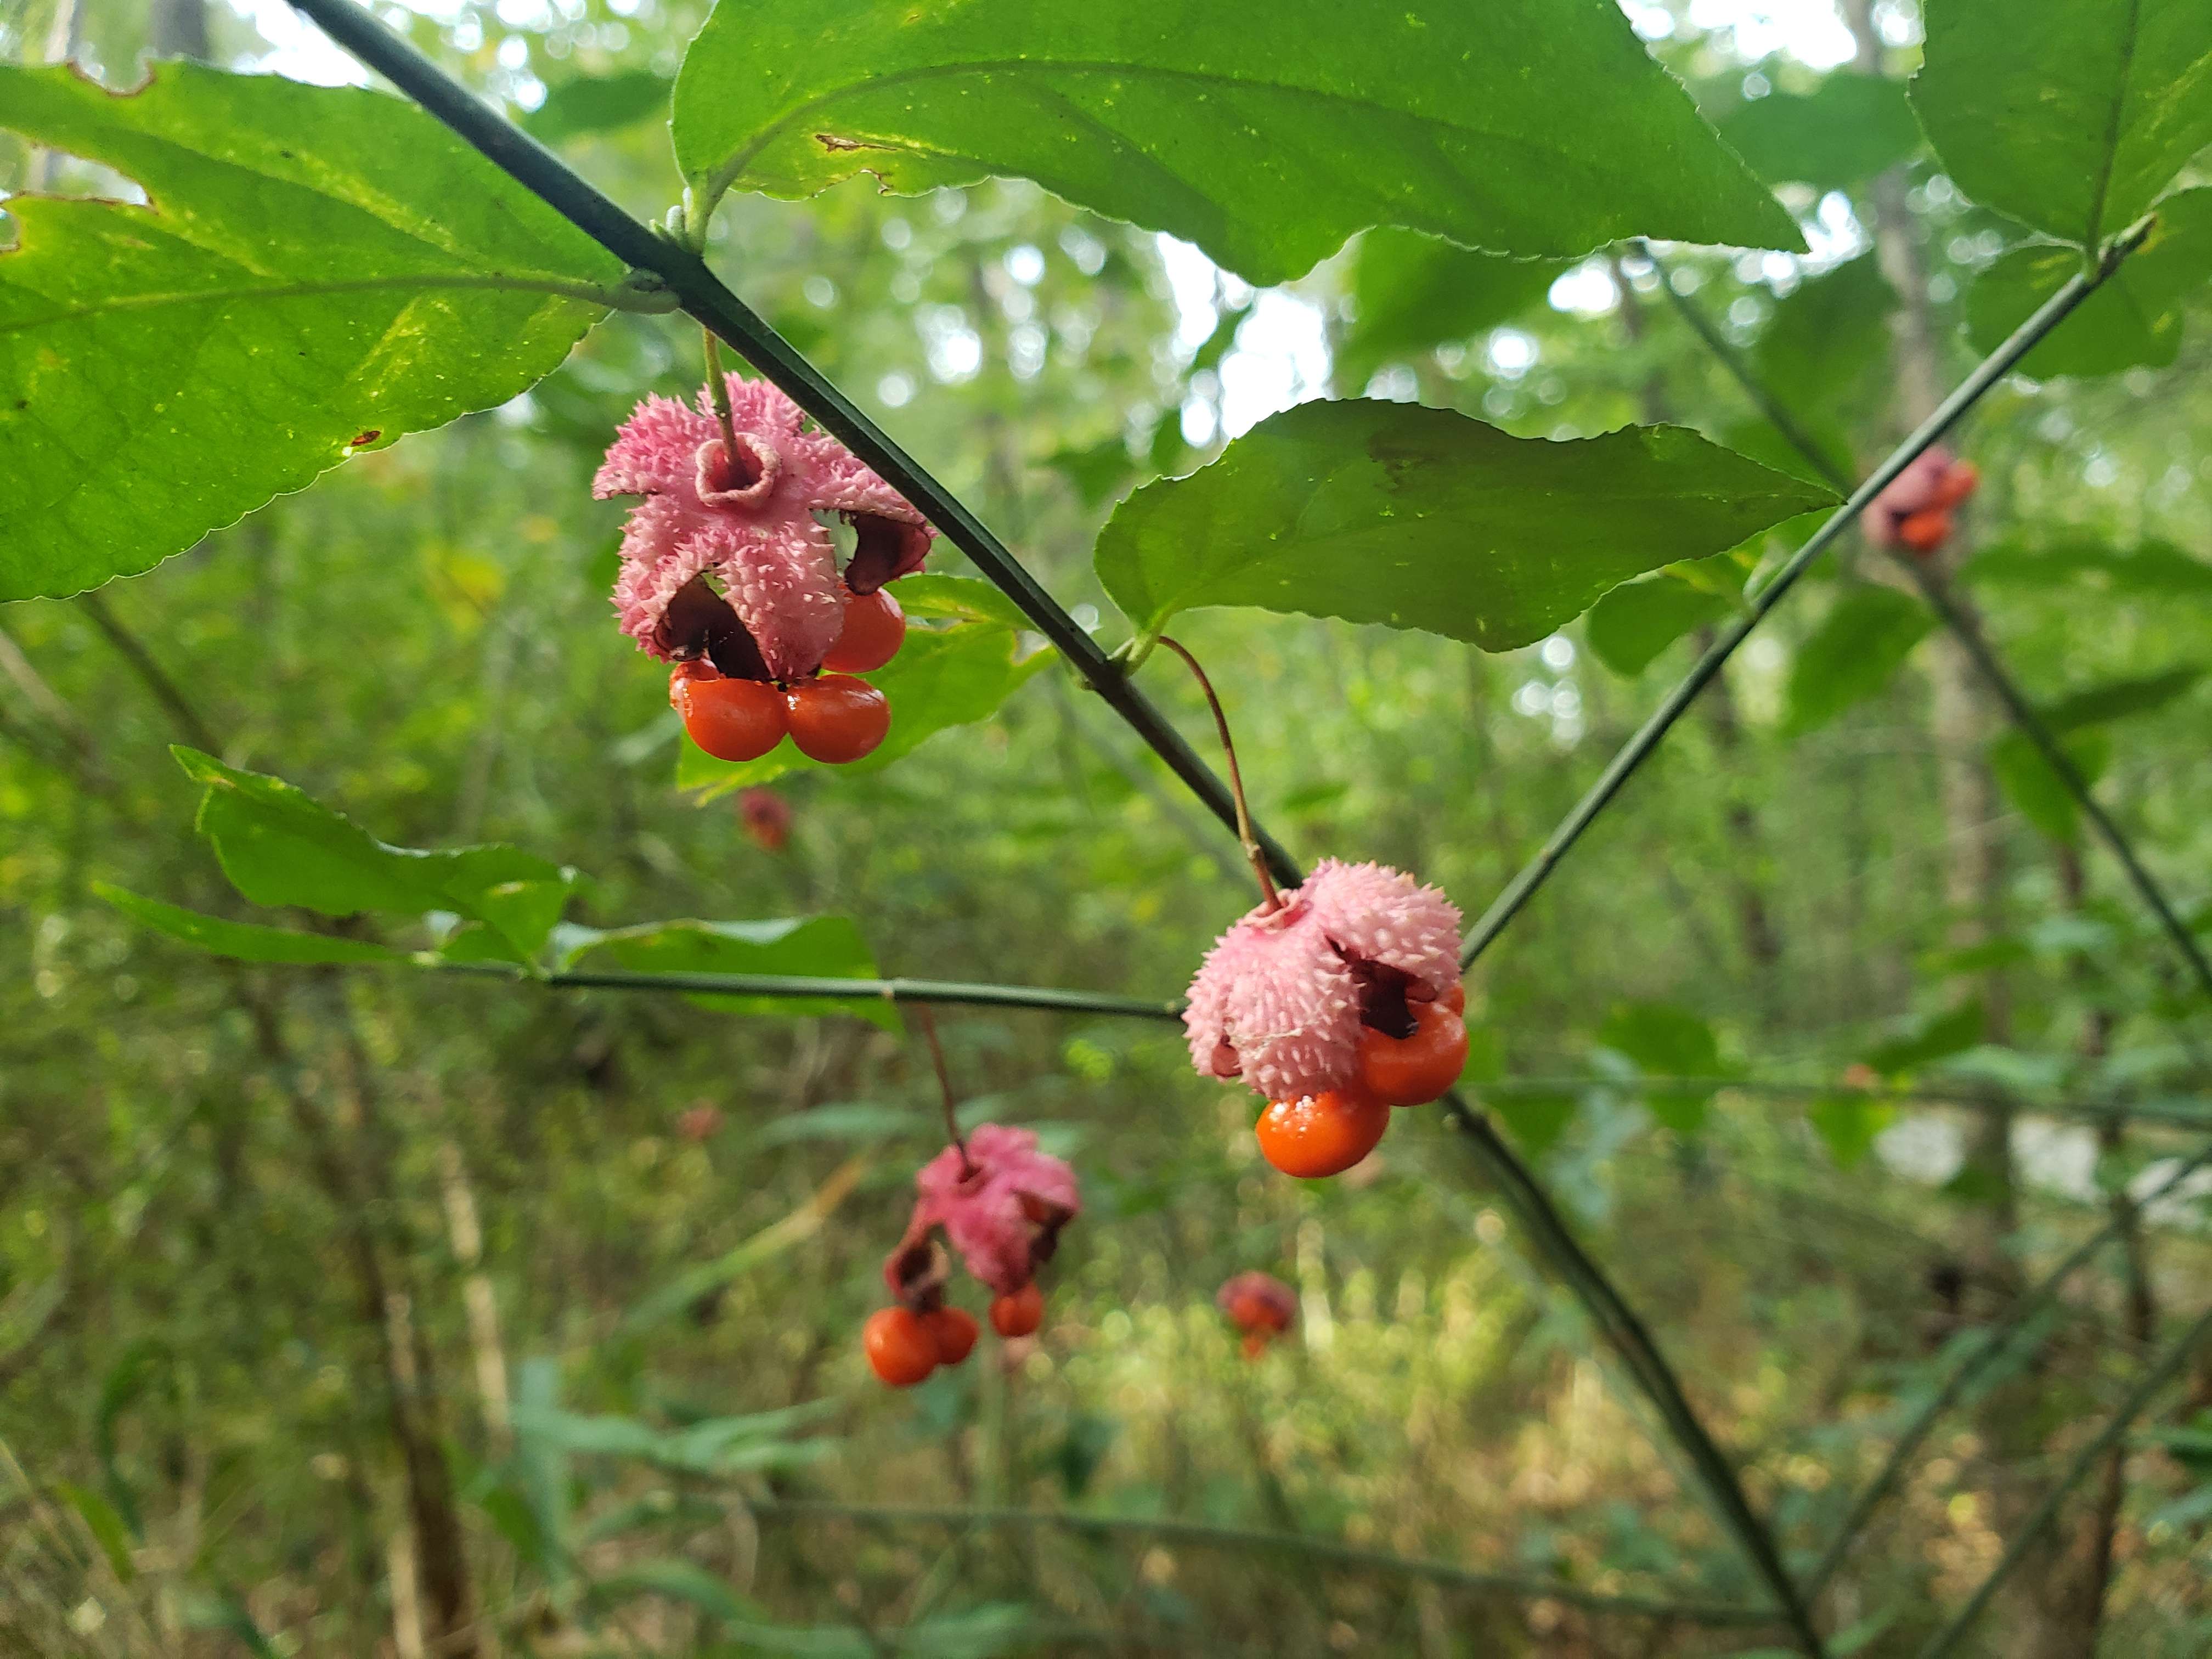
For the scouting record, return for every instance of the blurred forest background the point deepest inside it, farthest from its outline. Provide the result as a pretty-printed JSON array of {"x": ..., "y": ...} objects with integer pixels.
[{"x": 302, "y": 1269}]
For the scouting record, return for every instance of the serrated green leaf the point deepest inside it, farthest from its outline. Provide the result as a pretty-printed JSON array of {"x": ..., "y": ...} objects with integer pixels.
[
  {"x": 809, "y": 947},
  {"x": 942, "y": 678},
  {"x": 1412, "y": 293},
  {"x": 2136, "y": 319},
  {"x": 1421, "y": 519},
  {"x": 1629, "y": 627},
  {"x": 244, "y": 941},
  {"x": 280, "y": 846},
  {"x": 1859, "y": 644},
  {"x": 1847, "y": 128},
  {"x": 2068, "y": 115},
  {"x": 320, "y": 269},
  {"x": 598, "y": 103},
  {"x": 1266, "y": 143}
]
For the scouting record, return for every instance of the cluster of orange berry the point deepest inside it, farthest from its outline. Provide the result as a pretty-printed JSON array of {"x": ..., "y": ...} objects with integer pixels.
[
  {"x": 1326, "y": 1134},
  {"x": 905, "y": 1347},
  {"x": 1261, "y": 1306},
  {"x": 1915, "y": 511},
  {"x": 1002, "y": 1203},
  {"x": 833, "y": 717}
]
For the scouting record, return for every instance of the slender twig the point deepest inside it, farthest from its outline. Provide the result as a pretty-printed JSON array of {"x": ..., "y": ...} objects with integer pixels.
[
  {"x": 2023, "y": 713},
  {"x": 1619, "y": 1323},
  {"x": 156, "y": 679},
  {"x": 2025, "y": 1535},
  {"x": 1648, "y": 738},
  {"x": 1272, "y": 899},
  {"x": 1757, "y": 390},
  {"x": 928, "y": 1021},
  {"x": 1200, "y": 1534},
  {"x": 809, "y": 988},
  {"x": 703, "y": 296},
  {"x": 2176, "y": 1114},
  {"x": 1991, "y": 1344}
]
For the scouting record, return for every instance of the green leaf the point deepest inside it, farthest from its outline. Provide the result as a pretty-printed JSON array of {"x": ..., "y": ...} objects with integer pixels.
[
  {"x": 942, "y": 678},
  {"x": 2115, "y": 700},
  {"x": 1419, "y": 517},
  {"x": 1412, "y": 293},
  {"x": 2136, "y": 319},
  {"x": 2038, "y": 792},
  {"x": 223, "y": 1610},
  {"x": 1097, "y": 472},
  {"x": 2029, "y": 780},
  {"x": 1863, "y": 641},
  {"x": 656, "y": 1509},
  {"x": 243, "y": 941},
  {"x": 281, "y": 846},
  {"x": 322, "y": 268},
  {"x": 849, "y": 1120},
  {"x": 981, "y": 1633},
  {"x": 1825, "y": 351},
  {"x": 106, "y": 1525},
  {"x": 1847, "y": 128},
  {"x": 1927, "y": 1039},
  {"x": 598, "y": 103},
  {"x": 1667, "y": 1041},
  {"x": 719, "y": 1446},
  {"x": 2148, "y": 567},
  {"x": 1537, "y": 1119},
  {"x": 809, "y": 947},
  {"x": 678, "y": 1581},
  {"x": 2068, "y": 115},
  {"x": 1629, "y": 627},
  {"x": 1849, "y": 1124},
  {"x": 1266, "y": 141}
]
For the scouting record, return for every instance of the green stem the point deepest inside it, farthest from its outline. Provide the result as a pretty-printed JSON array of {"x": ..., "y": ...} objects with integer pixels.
[
  {"x": 718, "y": 388},
  {"x": 810, "y": 987}
]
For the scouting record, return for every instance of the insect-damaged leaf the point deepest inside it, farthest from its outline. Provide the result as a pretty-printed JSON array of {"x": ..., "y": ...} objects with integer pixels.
[
  {"x": 318, "y": 270},
  {"x": 281, "y": 846}
]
